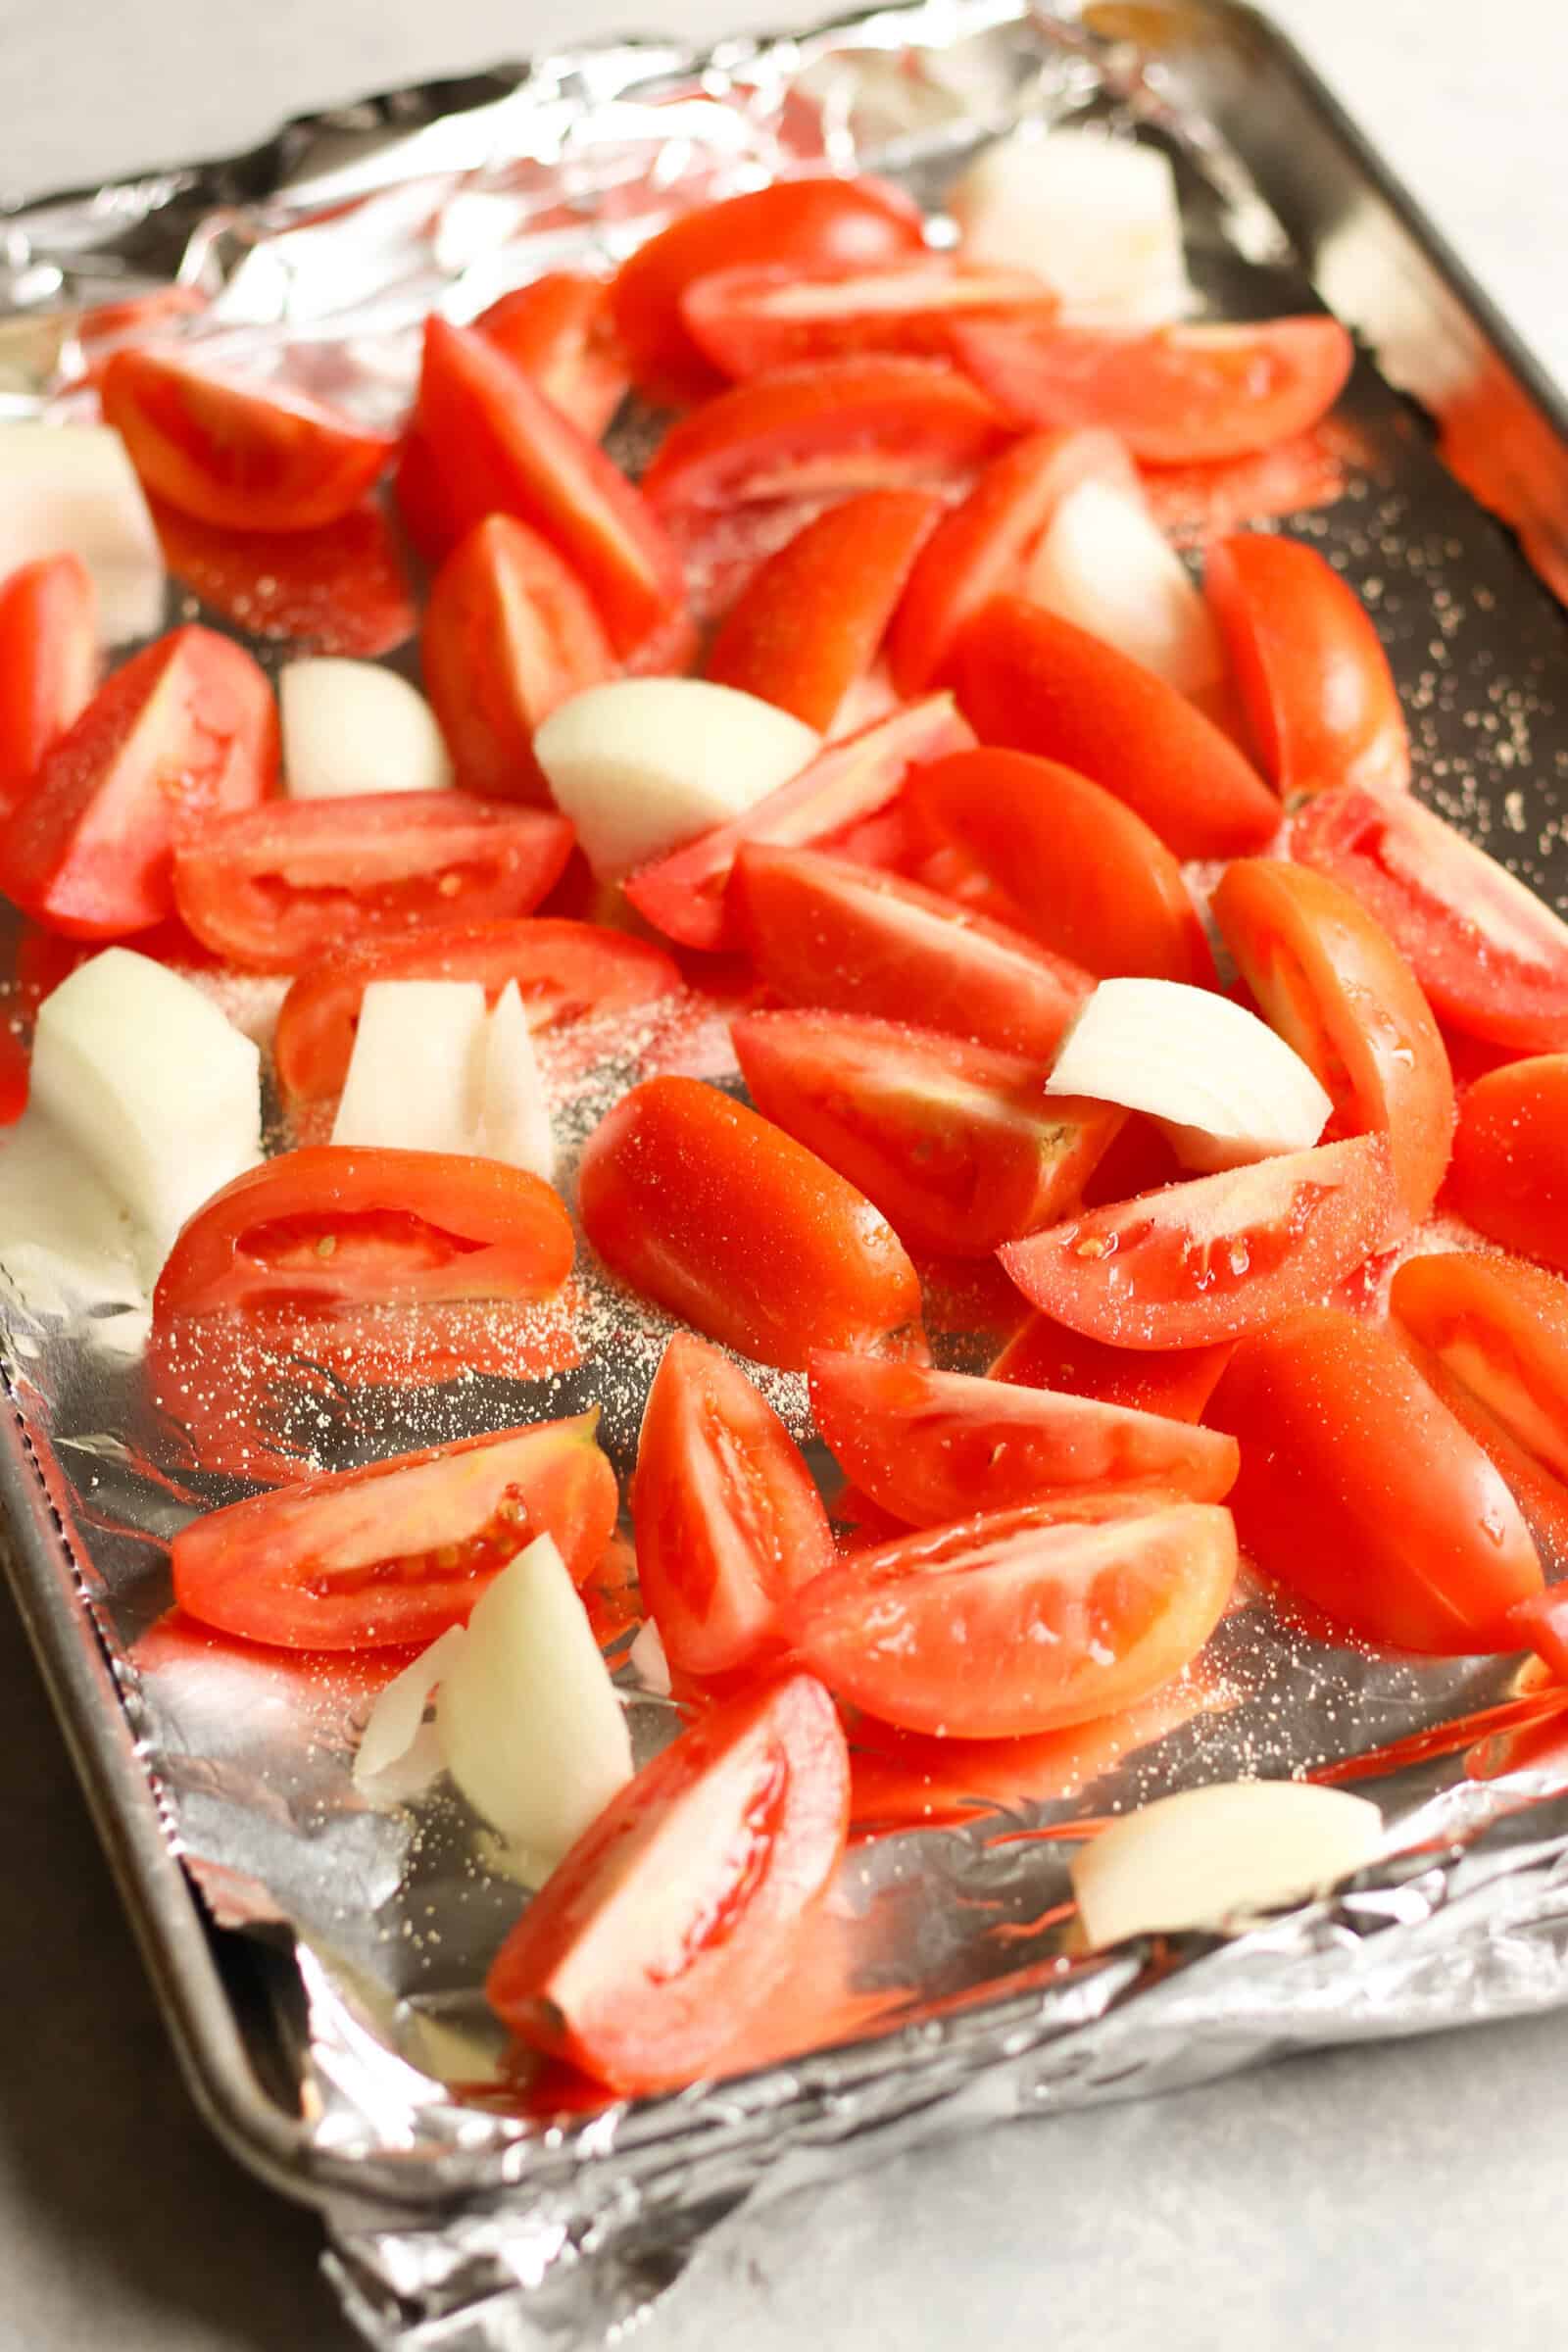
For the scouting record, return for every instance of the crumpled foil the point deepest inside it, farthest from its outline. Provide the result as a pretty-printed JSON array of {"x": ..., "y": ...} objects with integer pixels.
[{"x": 942, "y": 1991}]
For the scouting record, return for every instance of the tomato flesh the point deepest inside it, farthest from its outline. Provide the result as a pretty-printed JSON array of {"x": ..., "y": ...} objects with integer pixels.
[
  {"x": 1510, "y": 1159},
  {"x": 341, "y": 589},
  {"x": 1176, "y": 1381},
  {"x": 557, "y": 330},
  {"x": 48, "y": 662},
  {"x": 1492, "y": 1335},
  {"x": 756, "y": 318}
]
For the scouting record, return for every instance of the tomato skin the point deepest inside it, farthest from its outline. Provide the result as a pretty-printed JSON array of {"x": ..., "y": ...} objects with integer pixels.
[
  {"x": 1177, "y": 1382},
  {"x": 48, "y": 663},
  {"x": 728, "y": 1222},
  {"x": 1272, "y": 1237},
  {"x": 1314, "y": 681},
  {"x": 956, "y": 1144},
  {"x": 1029, "y": 681},
  {"x": 1092, "y": 880},
  {"x": 760, "y": 317},
  {"x": 1541, "y": 1622},
  {"x": 684, "y": 1905},
  {"x": 353, "y": 1559},
  {"x": 935, "y": 1631},
  {"x": 1335, "y": 986},
  {"x": 934, "y": 1447},
  {"x": 728, "y": 1520},
  {"x": 341, "y": 589},
  {"x": 825, "y": 932},
  {"x": 557, "y": 330},
  {"x": 186, "y": 730},
  {"x": 245, "y": 456},
  {"x": 1359, "y": 1489},
  {"x": 1510, "y": 1159}
]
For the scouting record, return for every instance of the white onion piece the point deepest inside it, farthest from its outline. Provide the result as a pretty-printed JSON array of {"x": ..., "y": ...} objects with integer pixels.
[
  {"x": 415, "y": 1072},
  {"x": 514, "y": 1113},
  {"x": 1211, "y": 1855},
  {"x": 351, "y": 727},
  {"x": 152, "y": 1086},
  {"x": 393, "y": 1748},
  {"x": 1096, "y": 218},
  {"x": 1225, "y": 1088},
  {"x": 71, "y": 489},
  {"x": 642, "y": 764},
  {"x": 530, "y": 1725},
  {"x": 647, "y": 1660},
  {"x": 1106, "y": 564}
]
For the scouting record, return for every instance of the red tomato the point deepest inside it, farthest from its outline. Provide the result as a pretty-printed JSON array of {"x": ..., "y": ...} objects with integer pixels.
[
  {"x": 1205, "y": 1261},
  {"x": 564, "y": 971},
  {"x": 108, "y": 324},
  {"x": 1173, "y": 393},
  {"x": 766, "y": 315},
  {"x": 1021, "y": 1621},
  {"x": 271, "y": 888},
  {"x": 1360, "y": 1491},
  {"x": 824, "y": 931},
  {"x": 343, "y": 589},
  {"x": 1491, "y": 956},
  {"x": 1091, "y": 879},
  {"x": 956, "y": 1144},
  {"x": 932, "y": 1446},
  {"x": 796, "y": 222},
  {"x": 686, "y": 895},
  {"x": 557, "y": 330},
  {"x": 681, "y": 1909},
  {"x": 1542, "y": 1623},
  {"x": 1510, "y": 1159},
  {"x": 251, "y": 456},
  {"x": 509, "y": 634},
  {"x": 810, "y": 622},
  {"x": 185, "y": 731},
  {"x": 1029, "y": 681},
  {"x": 329, "y": 1227},
  {"x": 1314, "y": 681},
  {"x": 1338, "y": 989},
  {"x": 725, "y": 1220},
  {"x": 1178, "y": 1383},
  {"x": 48, "y": 662},
  {"x": 397, "y": 1551},
  {"x": 728, "y": 1520},
  {"x": 845, "y": 424}
]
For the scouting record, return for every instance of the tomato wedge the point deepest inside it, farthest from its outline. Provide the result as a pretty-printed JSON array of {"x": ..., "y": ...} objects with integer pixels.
[
  {"x": 1029, "y": 681},
  {"x": 1510, "y": 1159},
  {"x": 1175, "y": 394},
  {"x": 1199, "y": 1262},
  {"x": 397, "y": 1551},
  {"x": 1541, "y": 1622},
  {"x": 251, "y": 456},
  {"x": 725, "y": 1220},
  {"x": 824, "y": 931},
  {"x": 564, "y": 971},
  {"x": 956, "y": 1144},
  {"x": 683, "y": 1907},
  {"x": 559, "y": 331},
  {"x": 1314, "y": 681},
  {"x": 271, "y": 888},
  {"x": 933, "y": 1447},
  {"x": 845, "y": 424},
  {"x": 342, "y": 589},
  {"x": 186, "y": 729},
  {"x": 1177, "y": 1382},
  {"x": 509, "y": 634},
  {"x": 1333, "y": 985},
  {"x": 48, "y": 662},
  {"x": 762, "y": 316},
  {"x": 1090, "y": 878},
  {"x": 1021, "y": 1621},
  {"x": 729, "y": 1522},
  {"x": 810, "y": 622},
  {"x": 1360, "y": 1491},
  {"x": 1491, "y": 958}
]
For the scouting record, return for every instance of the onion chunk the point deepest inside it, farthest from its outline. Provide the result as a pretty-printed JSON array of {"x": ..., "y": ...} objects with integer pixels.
[
  {"x": 71, "y": 489},
  {"x": 1096, "y": 218},
  {"x": 352, "y": 727}
]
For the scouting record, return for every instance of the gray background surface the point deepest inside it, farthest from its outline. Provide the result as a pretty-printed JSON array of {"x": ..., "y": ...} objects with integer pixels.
[{"x": 1408, "y": 2196}]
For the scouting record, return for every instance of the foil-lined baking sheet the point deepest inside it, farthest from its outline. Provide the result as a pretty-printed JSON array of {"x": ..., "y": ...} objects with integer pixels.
[{"x": 467, "y": 2207}]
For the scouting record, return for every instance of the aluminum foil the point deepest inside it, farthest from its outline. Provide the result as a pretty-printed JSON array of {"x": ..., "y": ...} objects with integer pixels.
[{"x": 466, "y": 2208}]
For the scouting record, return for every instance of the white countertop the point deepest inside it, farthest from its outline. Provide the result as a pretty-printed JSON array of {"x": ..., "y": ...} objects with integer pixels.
[{"x": 1405, "y": 2196}]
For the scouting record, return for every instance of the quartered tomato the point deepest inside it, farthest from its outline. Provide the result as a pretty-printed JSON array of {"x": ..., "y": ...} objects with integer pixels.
[
  {"x": 1176, "y": 1381},
  {"x": 342, "y": 589},
  {"x": 564, "y": 971},
  {"x": 1359, "y": 1489},
  {"x": 729, "y": 1522},
  {"x": 932, "y": 1446},
  {"x": 252, "y": 457},
  {"x": 681, "y": 1909},
  {"x": 1491, "y": 956},
  {"x": 271, "y": 888},
  {"x": 1021, "y": 1621},
  {"x": 956, "y": 1144},
  {"x": 1331, "y": 981},
  {"x": 399, "y": 1549},
  {"x": 48, "y": 662},
  {"x": 559, "y": 331},
  {"x": 1510, "y": 1159},
  {"x": 1029, "y": 681},
  {"x": 1205, "y": 1261},
  {"x": 762, "y": 316}
]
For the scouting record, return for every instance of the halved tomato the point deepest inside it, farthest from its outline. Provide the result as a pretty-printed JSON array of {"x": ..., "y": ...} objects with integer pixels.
[
  {"x": 271, "y": 888},
  {"x": 681, "y": 1909},
  {"x": 399, "y": 1549},
  {"x": 728, "y": 1520},
  {"x": 1021, "y": 1621},
  {"x": 343, "y": 589},
  {"x": 1176, "y": 1381},
  {"x": 1510, "y": 1157},
  {"x": 48, "y": 661},
  {"x": 765, "y": 316},
  {"x": 559, "y": 331},
  {"x": 1205, "y": 1261}
]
